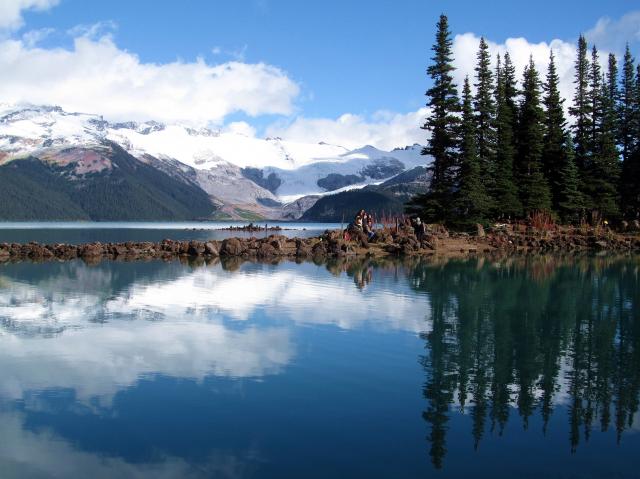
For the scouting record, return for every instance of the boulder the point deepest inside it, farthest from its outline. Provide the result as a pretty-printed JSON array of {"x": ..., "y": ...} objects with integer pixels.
[
  {"x": 196, "y": 248},
  {"x": 266, "y": 250},
  {"x": 90, "y": 250},
  {"x": 232, "y": 247},
  {"x": 211, "y": 249}
]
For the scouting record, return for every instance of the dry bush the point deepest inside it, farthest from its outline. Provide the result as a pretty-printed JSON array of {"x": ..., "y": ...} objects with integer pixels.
[{"x": 542, "y": 221}]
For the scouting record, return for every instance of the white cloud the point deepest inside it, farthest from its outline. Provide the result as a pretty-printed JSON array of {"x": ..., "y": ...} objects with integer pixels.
[
  {"x": 612, "y": 35},
  {"x": 237, "y": 54},
  {"x": 11, "y": 11},
  {"x": 33, "y": 37},
  {"x": 241, "y": 128},
  {"x": 94, "y": 30},
  {"x": 383, "y": 130},
  {"x": 96, "y": 76},
  {"x": 465, "y": 48}
]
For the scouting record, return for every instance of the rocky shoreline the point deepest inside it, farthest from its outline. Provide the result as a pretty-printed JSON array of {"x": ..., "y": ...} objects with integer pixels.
[
  {"x": 387, "y": 242},
  {"x": 251, "y": 228}
]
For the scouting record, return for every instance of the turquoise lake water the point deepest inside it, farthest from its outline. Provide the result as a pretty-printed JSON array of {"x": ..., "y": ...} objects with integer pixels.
[
  {"x": 75, "y": 232},
  {"x": 509, "y": 368}
]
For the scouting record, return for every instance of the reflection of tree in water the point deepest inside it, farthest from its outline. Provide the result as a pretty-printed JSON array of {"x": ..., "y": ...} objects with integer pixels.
[{"x": 502, "y": 333}]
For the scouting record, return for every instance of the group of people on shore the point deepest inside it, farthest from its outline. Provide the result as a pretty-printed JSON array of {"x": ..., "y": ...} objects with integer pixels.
[{"x": 363, "y": 221}]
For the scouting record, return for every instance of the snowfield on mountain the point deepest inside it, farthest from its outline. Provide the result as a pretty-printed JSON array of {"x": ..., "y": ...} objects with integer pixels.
[{"x": 238, "y": 172}]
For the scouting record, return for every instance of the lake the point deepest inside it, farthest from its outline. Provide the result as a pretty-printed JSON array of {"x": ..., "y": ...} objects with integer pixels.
[
  {"x": 521, "y": 367},
  {"x": 74, "y": 232}
]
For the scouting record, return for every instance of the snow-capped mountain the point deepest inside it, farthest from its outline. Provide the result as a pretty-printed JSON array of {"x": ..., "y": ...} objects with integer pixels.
[{"x": 238, "y": 172}]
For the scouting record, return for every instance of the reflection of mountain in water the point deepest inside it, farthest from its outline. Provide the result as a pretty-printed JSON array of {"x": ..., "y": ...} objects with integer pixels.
[{"x": 528, "y": 335}]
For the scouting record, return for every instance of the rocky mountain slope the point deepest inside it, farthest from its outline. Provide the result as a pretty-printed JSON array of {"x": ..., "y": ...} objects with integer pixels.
[{"x": 194, "y": 172}]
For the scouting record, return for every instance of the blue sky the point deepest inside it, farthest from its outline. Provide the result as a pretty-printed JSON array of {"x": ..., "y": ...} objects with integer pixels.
[{"x": 357, "y": 57}]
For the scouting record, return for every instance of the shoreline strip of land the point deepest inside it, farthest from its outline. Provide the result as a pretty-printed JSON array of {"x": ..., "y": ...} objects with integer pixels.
[{"x": 386, "y": 242}]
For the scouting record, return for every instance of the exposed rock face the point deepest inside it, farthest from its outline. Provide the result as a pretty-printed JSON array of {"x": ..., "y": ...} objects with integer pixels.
[
  {"x": 271, "y": 182},
  {"x": 335, "y": 181},
  {"x": 381, "y": 168},
  {"x": 295, "y": 209}
]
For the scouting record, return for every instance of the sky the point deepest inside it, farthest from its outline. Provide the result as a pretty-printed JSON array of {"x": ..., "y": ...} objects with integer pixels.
[{"x": 346, "y": 72}]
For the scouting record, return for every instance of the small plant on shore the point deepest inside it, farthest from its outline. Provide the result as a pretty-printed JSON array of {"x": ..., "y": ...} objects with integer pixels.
[{"x": 542, "y": 221}]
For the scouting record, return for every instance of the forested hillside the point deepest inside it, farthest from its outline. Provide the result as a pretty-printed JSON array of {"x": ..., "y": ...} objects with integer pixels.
[{"x": 31, "y": 189}]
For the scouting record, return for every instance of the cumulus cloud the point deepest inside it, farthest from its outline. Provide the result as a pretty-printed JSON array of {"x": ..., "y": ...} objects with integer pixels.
[
  {"x": 11, "y": 11},
  {"x": 94, "y": 30},
  {"x": 384, "y": 130},
  {"x": 465, "y": 48},
  {"x": 98, "y": 77},
  {"x": 613, "y": 35},
  {"x": 391, "y": 130},
  {"x": 240, "y": 128}
]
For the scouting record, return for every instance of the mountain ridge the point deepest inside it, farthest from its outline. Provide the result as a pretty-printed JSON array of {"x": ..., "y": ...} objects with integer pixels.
[{"x": 243, "y": 176}]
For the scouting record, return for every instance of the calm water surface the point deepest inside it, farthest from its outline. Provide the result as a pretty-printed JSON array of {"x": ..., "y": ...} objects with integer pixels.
[
  {"x": 515, "y": 368},
  {"x": 75, "y": 232}
]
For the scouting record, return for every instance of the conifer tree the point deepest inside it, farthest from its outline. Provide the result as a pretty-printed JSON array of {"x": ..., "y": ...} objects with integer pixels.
[
  {"x": 554, "y": 150},
  {"x": 594, "y": 95},
  {"x": 613, "y": 92},
  {"x": 581, "y": 108},
  {"x": 602, "y": 174},
  {"x": 626, "y": 109},
  {"x": 629, "y": 134},
  {"x": 506, "y": 201},
  {"x": 485, "y": 113},
  {"x": 534, "y": 188},
  {"x": 633, "y": 192},
  {"x": 443, "y": 124},
  {"x": 571, "y": 205},
  {"x": 511, "y": 92},
  {"x": 473, "y": 202}
]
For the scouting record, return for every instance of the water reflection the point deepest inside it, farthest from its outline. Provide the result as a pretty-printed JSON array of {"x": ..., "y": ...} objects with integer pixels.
[
  {"x": 525, "y": 335},
  {"x": 108, "y": 368}
]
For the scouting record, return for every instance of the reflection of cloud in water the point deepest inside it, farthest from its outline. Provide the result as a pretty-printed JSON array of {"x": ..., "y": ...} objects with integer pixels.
[
  {"x": 24, "y": 453},
  {"x": 100, "y": 360},
  {"x": 302, "y": 298},
  {"x": 96, "y": 352}
]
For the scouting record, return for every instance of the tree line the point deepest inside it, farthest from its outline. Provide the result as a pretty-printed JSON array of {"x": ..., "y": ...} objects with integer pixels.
[{"x": 507, "y": 151}]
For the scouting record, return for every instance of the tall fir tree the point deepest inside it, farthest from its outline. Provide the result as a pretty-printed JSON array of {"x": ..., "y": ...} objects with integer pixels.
[
  {"x": 554, "y": 150},
  {"x": 485, "y": 115},
  {"x": 472, "y": 203},
  {"x": 506, "y": 201},
  {"x": 605, "y": 175},
  {"x": 534, "y": 188},
  {"x": 629, "y": 136},
  {"x": 571, "y": 206},
  {"x": 443, "y": 124},
  {"x": 626, "y": 116},
  {"x": 511, "y": 91},
  {"x": 632, "y": 195},
  {"x": 581, "y": 110},
  {"x": 613, "y": 93},
  {"x": 627, "y": 132},
  {"x": 594, "y": 95},
  {"x": 602, "y": 168}
]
